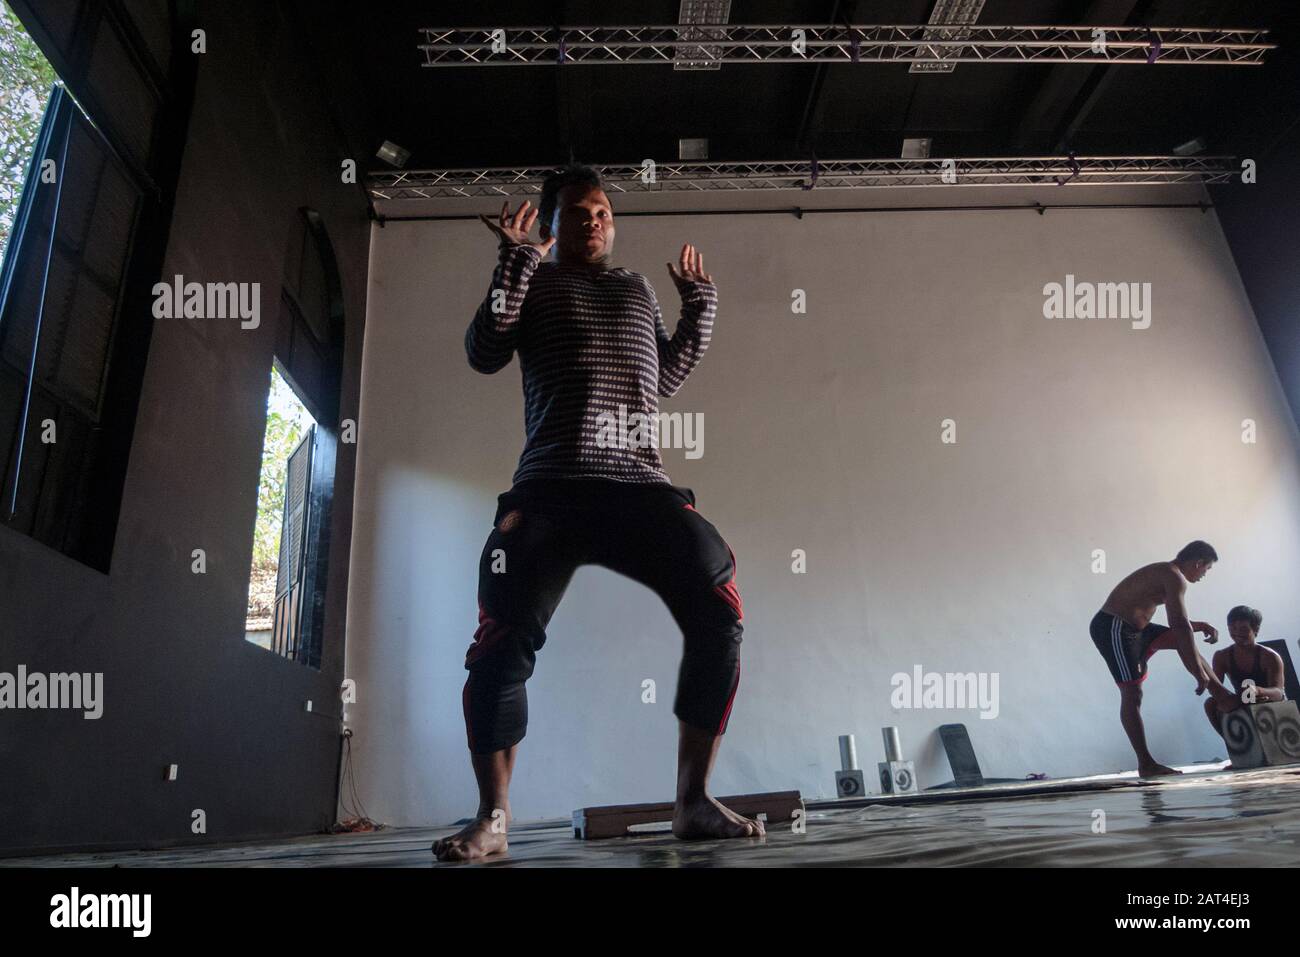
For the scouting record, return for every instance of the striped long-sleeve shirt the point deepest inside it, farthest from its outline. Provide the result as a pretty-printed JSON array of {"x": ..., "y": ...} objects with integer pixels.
[{"x": 588, "y": 343}]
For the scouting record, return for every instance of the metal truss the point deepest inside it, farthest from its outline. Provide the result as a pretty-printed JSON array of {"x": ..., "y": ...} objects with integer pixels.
[
  {"x": 704, "y": 177},
  {"x": 813, "y": 43}
]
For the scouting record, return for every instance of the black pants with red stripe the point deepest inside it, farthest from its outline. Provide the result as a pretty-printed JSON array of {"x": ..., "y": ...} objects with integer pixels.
[{"x": 544, "y": 530}]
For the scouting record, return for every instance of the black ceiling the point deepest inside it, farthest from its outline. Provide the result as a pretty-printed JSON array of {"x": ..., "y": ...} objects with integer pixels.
[{"x": 603, "y": 114}]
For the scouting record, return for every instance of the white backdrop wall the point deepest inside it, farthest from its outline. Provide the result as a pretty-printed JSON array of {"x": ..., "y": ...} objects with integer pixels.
[{"x": 823, "y": 433}]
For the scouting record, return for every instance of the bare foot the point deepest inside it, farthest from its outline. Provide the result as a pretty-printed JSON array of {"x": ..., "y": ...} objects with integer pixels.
[
  {"x": 703, "y": 817},
  {"x": 476, "y": 839},
  {"x": 1155, "y": 771}
]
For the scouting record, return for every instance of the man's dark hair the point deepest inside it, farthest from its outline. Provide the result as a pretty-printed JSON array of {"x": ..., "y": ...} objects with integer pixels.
[
  {"x": 575, "y": 174},
  {"x": 1197, "y": 551},
  {"x": 1246, "y": 613}
]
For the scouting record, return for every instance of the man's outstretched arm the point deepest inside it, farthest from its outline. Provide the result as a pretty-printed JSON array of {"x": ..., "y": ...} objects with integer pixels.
[
  {"x": 681, "y": 352},
  {"x": 1185, "y": 639},
  {"x": 491, "y": 337}
]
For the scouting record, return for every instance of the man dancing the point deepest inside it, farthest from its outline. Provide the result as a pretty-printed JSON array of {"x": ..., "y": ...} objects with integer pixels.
[
  {"x": 1126, "y": 637},
  {"x": 591, "y": 338}
]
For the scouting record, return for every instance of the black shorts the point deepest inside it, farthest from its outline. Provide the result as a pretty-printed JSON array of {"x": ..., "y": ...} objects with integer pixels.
[
  {"x": 650, "y": 532},
  {"x": 1125, "y": 649}
]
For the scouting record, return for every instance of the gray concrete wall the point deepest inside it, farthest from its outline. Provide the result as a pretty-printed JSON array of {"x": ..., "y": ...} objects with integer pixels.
[
  {"x": 823, "y": 433},
  {"x": 181, "y": 683}
]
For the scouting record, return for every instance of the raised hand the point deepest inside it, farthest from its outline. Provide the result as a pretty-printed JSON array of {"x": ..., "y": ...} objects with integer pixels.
[
  {"x": 690, "y": 268},
  {"x": 514, "y": 229}
]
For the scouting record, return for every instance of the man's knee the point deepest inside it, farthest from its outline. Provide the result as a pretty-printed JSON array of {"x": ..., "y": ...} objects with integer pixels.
[
  {"x": 728, "y": 590},
  {"x": 712, "y": 629},
  {"x": 711, "y": 623},
  {"x": 502, "y": 650},
  {"x": 714, "y": 647},
  {"x": 707, "y": 606},
  {"x": 712, "y": 599}
]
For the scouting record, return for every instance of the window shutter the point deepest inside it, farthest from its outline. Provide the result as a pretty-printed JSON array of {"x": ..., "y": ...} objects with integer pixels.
[
  {"x": 293, "y": 538},
  {"x": 98, "y": 210}
]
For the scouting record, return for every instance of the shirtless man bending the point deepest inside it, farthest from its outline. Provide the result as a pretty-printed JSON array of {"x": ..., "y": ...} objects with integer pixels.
[{"x": 1126, "y": 637}]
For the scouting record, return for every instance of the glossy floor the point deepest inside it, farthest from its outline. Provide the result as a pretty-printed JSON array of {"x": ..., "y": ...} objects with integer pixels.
[{"x": 1205, "y": 819}]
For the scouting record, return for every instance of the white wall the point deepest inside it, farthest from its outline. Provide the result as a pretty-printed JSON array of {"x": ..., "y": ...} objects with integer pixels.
[{"x": 822, "y": 432}]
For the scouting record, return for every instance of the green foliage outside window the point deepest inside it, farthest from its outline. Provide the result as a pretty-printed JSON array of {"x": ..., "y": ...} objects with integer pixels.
[{"x": 25, "y": 83}]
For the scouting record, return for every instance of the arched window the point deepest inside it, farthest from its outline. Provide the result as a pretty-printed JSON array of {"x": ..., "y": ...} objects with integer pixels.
[{"x": 286, "y": 606}]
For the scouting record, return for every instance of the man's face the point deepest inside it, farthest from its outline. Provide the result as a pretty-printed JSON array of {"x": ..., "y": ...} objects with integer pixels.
[
  {"x": 1198, "y": 570},
  {"x": 585, "y": 231},
  {"x": 1241, "y": 631}
]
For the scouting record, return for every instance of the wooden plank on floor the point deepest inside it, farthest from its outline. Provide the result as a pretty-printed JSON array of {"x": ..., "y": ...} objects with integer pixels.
[{"x": 596, "y": 823}]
